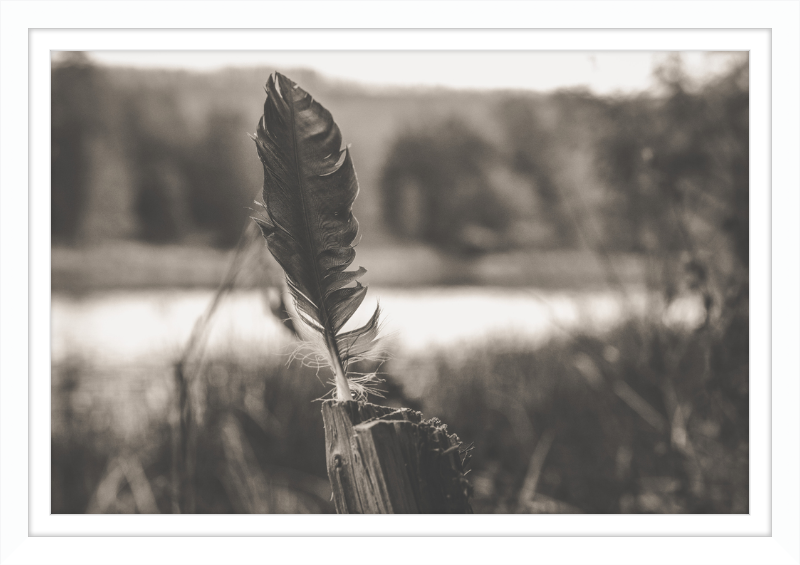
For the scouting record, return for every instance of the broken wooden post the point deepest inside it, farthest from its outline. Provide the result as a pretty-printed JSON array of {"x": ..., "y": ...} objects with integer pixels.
[{"x": 383, "y": 460}]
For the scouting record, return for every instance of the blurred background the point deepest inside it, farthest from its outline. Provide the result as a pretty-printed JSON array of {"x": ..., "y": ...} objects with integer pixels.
[{"x": 559, "y": 243}]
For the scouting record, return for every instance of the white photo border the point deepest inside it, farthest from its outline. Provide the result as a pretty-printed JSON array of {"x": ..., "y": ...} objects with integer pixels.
[{"x": 768, "y": 534}]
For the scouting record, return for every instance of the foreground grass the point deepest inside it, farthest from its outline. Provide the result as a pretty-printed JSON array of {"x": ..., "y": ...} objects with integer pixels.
[{"x": 644, "y": 419}]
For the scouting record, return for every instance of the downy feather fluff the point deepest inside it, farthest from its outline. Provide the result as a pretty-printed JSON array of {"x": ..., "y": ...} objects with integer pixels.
[{"x": 309, "y": 188}]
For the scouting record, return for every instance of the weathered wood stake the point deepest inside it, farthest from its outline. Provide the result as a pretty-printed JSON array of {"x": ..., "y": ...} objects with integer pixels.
[{"x": 383, "y": 460}]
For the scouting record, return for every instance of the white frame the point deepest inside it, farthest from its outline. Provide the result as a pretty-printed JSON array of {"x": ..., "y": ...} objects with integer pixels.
[{"x": 768, "y": 29}]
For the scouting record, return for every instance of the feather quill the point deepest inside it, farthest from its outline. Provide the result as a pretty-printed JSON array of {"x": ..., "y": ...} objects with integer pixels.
[{"x": 309, "y": 188}]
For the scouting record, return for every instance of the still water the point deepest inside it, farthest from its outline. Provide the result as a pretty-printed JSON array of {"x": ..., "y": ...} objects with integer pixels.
[{"x": 129, "y": 327}]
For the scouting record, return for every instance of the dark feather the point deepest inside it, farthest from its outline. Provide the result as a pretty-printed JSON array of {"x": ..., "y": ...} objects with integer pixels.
[{"x": 309, "y": 188}]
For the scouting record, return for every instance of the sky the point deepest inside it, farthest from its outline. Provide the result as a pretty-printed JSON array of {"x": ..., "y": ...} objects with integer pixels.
[{"x": 600, "y": 72}]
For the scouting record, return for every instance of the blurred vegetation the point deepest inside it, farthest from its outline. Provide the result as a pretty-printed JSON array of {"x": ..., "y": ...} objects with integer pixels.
[
  {"x": 532, "y": 152},
  {"x": 134, "y": 157},
  {"x": 76, "y": 96},
  {"x": 436, "y": 188},
  {"x": 258, "y": 445},
  {"x": 679, "y": 174},
  {"x": 646, "y": 418},
  {"x": 643, "y": 420},
  {"x": 164, "y": 157}
]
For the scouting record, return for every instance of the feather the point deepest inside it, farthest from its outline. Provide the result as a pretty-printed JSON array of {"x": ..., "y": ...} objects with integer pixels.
[{"x": 309, "y": 188}]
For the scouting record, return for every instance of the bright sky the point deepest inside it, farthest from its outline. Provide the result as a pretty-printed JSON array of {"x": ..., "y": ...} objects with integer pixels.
[{"x": 602, "y": 72}]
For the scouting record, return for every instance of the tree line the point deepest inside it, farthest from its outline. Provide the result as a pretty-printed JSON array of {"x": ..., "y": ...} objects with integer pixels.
[{"x": 663, "y": 172}]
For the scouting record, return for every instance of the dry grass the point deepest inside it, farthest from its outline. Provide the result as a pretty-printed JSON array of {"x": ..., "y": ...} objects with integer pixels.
[{"x": 260, "y": 445}]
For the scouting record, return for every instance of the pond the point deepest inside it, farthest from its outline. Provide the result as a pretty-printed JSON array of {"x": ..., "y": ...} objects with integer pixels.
[{"x": 153, "y": 326}]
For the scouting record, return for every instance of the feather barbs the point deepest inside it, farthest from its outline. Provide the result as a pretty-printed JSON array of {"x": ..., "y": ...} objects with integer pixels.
[{"x": 309, "y": 188}]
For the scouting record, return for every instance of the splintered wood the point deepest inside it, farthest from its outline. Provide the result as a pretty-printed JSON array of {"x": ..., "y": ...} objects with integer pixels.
[{"x": 390, "y": 461}]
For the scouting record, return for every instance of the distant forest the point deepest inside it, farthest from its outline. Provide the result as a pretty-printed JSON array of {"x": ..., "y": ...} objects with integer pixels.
[{"x": 164, "y": 157}]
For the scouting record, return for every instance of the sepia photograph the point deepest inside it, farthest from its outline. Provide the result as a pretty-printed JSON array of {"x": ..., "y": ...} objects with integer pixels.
[{"x": 400, "y": 282}]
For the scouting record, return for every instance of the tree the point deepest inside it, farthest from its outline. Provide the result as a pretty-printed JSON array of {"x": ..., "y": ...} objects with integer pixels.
[
  {"x": 436, "y": 188},
  {"x": 75, "y": 118}
]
